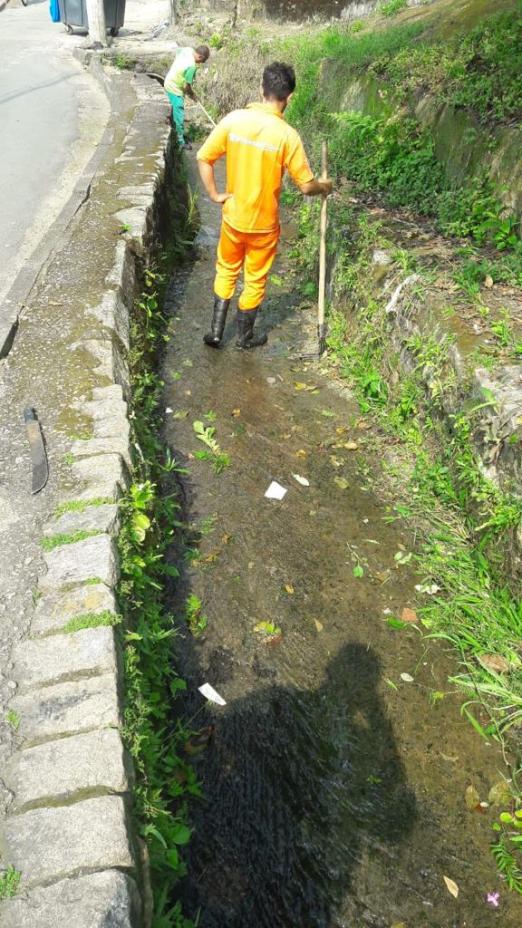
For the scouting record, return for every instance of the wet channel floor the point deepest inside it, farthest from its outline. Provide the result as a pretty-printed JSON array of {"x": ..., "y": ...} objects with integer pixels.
[{"x": 334, "y": 790}]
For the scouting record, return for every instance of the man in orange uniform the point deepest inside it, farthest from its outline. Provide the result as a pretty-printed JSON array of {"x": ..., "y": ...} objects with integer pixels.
[{"x": 259, "y": 146}]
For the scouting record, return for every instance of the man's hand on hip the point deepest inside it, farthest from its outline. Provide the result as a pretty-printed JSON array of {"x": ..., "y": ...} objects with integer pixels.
[{"x": 221, "y": 197}]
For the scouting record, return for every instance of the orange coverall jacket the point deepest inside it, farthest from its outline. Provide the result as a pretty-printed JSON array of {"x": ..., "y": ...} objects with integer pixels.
[{"x": 259, "y": 146}]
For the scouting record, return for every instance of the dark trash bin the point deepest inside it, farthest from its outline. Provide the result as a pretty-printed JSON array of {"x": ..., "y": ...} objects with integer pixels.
[
  {"x": 114, "y": 15},
  {"x": 73, "y": 13}
]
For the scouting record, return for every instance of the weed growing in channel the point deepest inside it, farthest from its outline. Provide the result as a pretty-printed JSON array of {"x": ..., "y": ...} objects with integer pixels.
[
  {"x": 507, "y": 850},
  {"x": 196, "y": 620},
  {"x": 164, "y": 781},
  {"x": 219, "y": 459}
]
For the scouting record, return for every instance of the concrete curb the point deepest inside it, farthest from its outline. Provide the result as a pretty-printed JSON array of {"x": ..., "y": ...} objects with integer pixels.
[{"x": 68, "y": 827}]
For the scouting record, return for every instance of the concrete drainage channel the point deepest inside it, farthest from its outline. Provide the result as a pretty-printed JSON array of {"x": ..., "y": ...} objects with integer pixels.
[{"x": 67, "y": 827}]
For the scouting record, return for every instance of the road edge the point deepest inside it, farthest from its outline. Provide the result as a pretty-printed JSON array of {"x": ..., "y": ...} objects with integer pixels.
[{"x": 69, "y": 827}]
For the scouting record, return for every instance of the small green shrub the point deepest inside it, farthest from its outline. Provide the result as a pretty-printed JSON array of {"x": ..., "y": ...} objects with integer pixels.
[
  {"x": 9, "y": 882},
  {"x": 392, "y": 7}
]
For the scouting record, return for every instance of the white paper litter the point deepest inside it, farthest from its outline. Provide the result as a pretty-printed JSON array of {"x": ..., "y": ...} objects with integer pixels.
[
  {"x": 407, "y": 677},
  {"x": 210, "y": 693},
  {"x": 430, "y": 589},
  {"x": 276, "y": 491},
  {"x": 302, "y": 480},
  {"x": 168, "y": 410}
]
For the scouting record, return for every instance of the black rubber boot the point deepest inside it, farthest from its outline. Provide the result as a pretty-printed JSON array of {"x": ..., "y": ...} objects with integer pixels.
[
  {"x": 246, "y": 337},
  {"x": 217, "y": 326}
]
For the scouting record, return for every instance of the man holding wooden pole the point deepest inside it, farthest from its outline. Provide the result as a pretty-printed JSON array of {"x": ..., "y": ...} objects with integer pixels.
[
  {"x": 259, "y": 146},
  {"x": 178, "y": 83}
]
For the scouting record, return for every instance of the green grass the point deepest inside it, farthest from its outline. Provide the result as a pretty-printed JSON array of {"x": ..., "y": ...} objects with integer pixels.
[
  {"x": 13, "y": 719},
  {"x": 392, "y": 7},
  {"x": 9, "y": 882},
  {"x": 395, "y": 155},
  {"x": 57, "y": 541},
  {"x": 465, "y": 524},
  {"x": 469, "y": 522},
  {"x": 80, "y": 505},
  {"x": 480, "y": 70},
  {"x": 91, "y": 620},
  {"x": 197, "y": 621},
  {"x": 153, "y": 731}
]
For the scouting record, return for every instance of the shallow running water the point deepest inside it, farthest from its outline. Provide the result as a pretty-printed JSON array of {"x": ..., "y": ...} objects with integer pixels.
[{"x": 333, "y": 789}]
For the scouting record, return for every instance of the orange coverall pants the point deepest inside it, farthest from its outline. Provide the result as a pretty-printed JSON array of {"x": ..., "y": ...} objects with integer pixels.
[{"x": 253, "y": 250}]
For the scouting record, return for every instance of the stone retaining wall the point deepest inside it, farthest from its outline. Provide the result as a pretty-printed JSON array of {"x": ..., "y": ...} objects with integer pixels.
[{"x": 68, "y": 827}]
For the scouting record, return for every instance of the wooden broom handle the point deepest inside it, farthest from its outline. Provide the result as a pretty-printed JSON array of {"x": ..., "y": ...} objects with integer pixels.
[{"x": 322, "y": 243}]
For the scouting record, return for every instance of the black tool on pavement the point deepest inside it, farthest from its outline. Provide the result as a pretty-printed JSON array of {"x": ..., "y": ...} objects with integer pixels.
[{"x": 37, "y": 446}]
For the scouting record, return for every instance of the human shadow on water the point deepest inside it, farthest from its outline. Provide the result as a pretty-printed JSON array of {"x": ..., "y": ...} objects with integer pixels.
[{"x": 297, "y": 783}]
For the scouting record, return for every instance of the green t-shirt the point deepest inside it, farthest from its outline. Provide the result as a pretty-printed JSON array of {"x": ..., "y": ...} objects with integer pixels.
[{"x": 182, "y": 72}]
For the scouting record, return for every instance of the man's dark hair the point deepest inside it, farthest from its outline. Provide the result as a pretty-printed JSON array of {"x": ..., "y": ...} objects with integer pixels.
[
  {"x": 203, "y": 51},
  {"x": 278, "y": 81}
]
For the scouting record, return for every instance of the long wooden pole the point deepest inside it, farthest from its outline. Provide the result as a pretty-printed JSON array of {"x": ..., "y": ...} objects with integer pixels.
[
  {"x": 209, "y": 117},
  {"x": 321, "y": 328}
]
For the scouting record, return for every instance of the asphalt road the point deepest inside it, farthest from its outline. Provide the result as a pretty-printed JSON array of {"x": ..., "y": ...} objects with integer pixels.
[{"x": 52, "y": 115}]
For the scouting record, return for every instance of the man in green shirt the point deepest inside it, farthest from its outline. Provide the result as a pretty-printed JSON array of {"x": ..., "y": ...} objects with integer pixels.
[{"x": 178, "y": 82}]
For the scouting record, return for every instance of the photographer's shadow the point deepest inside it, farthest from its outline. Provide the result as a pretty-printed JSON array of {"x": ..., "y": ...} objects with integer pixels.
[{"x": 297, "y": 784}]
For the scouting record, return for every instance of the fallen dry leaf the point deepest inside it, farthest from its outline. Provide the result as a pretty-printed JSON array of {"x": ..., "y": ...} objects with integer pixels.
[
  {"x": 451, "y": 886},
  {"x": 236, "y": 413},
  {"x": 336, "y": 462},
  {"x": 471, "y": 798},
  {"x": 500, "y": 794},
  {"x": 301, "y": 453},
  {"x": 488, "y": 281},
  {"x": 494, "y": 662},
  {"x": 408, "y": 615},
  {"x": 341, "y": 430},
  {"x": 307, "y": 387},
  {"x": 226, "y": 538},
  {"x": 407, "y": 677},
  {"x": 382, "y": 575},
  {"x": 289, "y": 588},
  {"x": 341, "y": 483},
  {"x": 319, "y": 625},
  {"x": 208, "y": 559}
]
